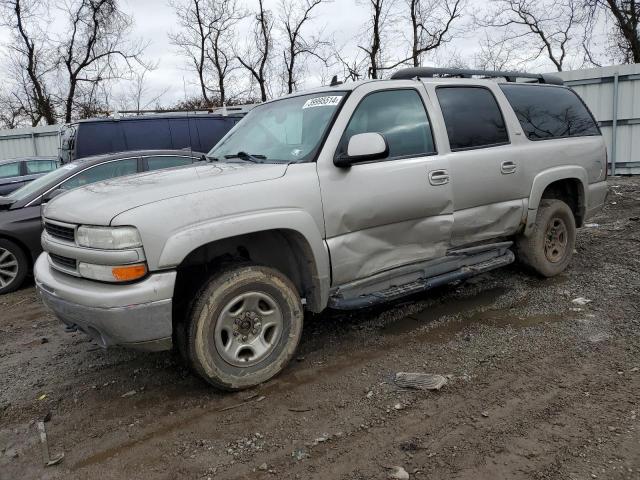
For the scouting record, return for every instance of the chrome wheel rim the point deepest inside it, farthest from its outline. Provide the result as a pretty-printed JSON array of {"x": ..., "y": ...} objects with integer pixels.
[
  {"x": 556, "y": 240},
  {"x": 248, "y": 329},
  {"x": 8, "y": 267}
]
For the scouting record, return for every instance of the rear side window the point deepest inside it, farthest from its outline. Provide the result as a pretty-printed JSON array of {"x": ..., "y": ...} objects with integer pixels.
[
  {"x": 180, "y": 134},
  {"x": 98, "y": 138},
  {"x": 166, "y": 161},
  {"x": 400, "y": 116},
  {"x": 472, "y": 117},
  {"x": 550, "y": 112},
  {"x": 40, "y": 166},
  {"x": 10, "y": 170},
  {"x": 149, "y": 133},
  {"x": 105, "y": 171}
]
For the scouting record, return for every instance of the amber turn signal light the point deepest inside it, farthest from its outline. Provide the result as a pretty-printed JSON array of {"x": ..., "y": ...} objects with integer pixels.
[{"x": 129, "y": 273}]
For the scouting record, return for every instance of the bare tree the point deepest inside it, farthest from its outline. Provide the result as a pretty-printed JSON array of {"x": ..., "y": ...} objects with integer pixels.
[
  {"x": 551, "y": 28},
  {"x": 294, "y": 15},
  {"x": 30, "y": 58},
  {"x": 380, "y": 11},
  {"x": 431, "y": 24},
  {"x": 626, "y": 16},
  {"x": 96, "y": 49},
  {"x": 496, "y": 54},
  {"x": 258, "y": 55},
  {"x": 206, "y": 37}
]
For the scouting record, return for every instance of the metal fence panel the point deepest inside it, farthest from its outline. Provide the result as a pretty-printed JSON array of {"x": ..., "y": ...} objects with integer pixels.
[{"x": 25, "y": 142}]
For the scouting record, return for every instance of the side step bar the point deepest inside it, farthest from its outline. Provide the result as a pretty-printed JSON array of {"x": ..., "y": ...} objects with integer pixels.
[{"x": 394, "y": 292}]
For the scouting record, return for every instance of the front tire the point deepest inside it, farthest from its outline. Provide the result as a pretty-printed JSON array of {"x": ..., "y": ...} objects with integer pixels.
[
  {"x": 549, "y": 248},
  {"x": 244, "y": 327},
  {"x": 14, "y": 266}
]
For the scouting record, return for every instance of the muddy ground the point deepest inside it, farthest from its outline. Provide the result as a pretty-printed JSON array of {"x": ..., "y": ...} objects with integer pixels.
[{"x": 540, "y": 386}]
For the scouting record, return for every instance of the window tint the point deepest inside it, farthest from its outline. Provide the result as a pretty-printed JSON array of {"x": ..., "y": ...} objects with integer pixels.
[
  {"x": 549, "y": 112},
  {"x": 149, "y": 133},
  {"x": 40, "y": 166},
  {"x": 99, "y": 137},
  {"x": 102, "y": 172},
  {"x": 400, "y": 116},
  {"x": 10, "y": 170},
  {"x": 472, "y": 117},
  {"x": 158, "y": 163}
]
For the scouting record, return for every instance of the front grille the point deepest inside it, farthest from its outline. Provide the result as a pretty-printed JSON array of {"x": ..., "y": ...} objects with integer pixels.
[
  {"x": 67, "y": 234},
  {"x": 64, "y": 262}
]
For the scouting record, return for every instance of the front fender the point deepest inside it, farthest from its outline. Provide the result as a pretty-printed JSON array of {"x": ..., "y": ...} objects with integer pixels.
[{"x": 545, "y": 178}]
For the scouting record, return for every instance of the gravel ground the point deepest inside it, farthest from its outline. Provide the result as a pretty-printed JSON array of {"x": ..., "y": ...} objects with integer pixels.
[{"x": 540, "y": 386}]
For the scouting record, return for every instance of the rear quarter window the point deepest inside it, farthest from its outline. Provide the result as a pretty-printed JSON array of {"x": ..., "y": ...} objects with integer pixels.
[
  {"x": 550, "y": 112},
  {"x": 152, "y": 133}
]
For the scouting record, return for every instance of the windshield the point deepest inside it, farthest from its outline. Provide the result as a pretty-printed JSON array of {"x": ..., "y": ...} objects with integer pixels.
[
  {"x": 288, "y": 130},
  {"x": 41, "y": 182}
]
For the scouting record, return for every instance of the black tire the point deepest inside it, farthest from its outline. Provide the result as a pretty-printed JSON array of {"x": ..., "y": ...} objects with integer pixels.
[
  {"x": 16, "y": 266},
  {"x": 549, "y": 248},
  {"x": 213, "y": 310}
]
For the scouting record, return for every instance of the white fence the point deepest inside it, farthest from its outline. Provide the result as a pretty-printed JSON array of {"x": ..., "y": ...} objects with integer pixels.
[
  {"x": 613, "y": 95},
  {"x": 25, "y": 142}
]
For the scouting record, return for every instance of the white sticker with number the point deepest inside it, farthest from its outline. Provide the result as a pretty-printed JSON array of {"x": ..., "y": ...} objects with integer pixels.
[{"x": 329, "y": 101}]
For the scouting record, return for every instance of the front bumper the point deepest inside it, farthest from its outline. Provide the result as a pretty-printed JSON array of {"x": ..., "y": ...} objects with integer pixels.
[{"x": 137, "y": 315}]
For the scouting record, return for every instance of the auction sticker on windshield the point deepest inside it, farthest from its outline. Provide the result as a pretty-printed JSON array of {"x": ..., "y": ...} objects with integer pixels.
[{"x": 329, "y": 101}]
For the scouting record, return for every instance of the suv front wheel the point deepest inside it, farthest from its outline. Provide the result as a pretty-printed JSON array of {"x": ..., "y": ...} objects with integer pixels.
[
  {"x": 244, "y": 327},
  {"x": 549, "y": 248}
]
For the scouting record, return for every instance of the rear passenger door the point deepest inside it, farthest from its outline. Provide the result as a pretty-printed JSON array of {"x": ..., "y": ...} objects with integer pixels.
[{"x": 486, "y": 176}]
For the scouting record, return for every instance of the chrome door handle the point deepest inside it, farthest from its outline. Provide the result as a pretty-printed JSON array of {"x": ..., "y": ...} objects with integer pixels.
[
  {"x": 438, "y": 177},
  {"x": 507, "y": 167}
]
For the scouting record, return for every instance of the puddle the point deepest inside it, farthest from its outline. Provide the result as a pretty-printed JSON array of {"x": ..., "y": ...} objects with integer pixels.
[{"x": 499, "y": 318}]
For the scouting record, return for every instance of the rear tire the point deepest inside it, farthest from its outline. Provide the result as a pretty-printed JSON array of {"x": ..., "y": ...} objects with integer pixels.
[
  {"x": 244, "y": 327},
  {"x": 14, "y": 266},
  {"x": 549, "y": 248}
]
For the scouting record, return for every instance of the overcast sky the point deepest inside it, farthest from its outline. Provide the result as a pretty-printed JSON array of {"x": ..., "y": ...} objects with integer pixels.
[{"x": 341, "y": 20}]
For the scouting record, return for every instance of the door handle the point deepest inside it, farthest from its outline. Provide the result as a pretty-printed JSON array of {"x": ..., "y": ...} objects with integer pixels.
[
  {"x": 507, "y": 167},
  {"x": 438, "y": 177}
]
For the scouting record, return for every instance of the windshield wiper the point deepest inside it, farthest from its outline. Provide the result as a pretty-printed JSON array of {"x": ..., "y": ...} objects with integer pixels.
[{"x": 247, "y": 156}]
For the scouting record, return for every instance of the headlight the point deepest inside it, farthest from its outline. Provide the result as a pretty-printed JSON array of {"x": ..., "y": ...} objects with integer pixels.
[
  {"x": 108, "y": 273},
  {"x": 108, "y": 238}
]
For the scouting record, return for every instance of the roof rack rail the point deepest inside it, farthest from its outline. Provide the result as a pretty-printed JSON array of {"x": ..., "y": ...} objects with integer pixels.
[{"x": 428, "y": 72}]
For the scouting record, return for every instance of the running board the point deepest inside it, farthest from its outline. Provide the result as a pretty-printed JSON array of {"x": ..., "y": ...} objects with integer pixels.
[{"x": 339, "y": 302}]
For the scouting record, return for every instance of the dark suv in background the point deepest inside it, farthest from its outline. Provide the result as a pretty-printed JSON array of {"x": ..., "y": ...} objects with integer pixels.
[{"x": 174, "y": 131}]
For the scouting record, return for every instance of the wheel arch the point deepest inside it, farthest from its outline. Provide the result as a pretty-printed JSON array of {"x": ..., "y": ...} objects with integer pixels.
[{"x": 566, "y": 183}]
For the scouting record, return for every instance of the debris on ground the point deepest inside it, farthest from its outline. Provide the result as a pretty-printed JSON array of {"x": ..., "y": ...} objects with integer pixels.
[
  {"x": 398, "y": 473},
  {"x": 581, "y": 301},
  {"x": 300, "y": 454},
  {"x": 47, "y": 460},
  {"x": 253, "y": 400},
  {"x": 420, "y": 381},
  {"x": 130, "y": 393}
]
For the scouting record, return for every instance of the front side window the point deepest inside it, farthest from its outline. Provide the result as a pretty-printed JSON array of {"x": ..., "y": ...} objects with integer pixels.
[
  {"x": 40, "y": 166},
  {"x": 550, "y": 112},
  {"x": 105, "y": 171},
  {"x": 472, "y": 117},
  {"x": 158, "y": 163},
  {"x": 8, "y": 170},
  {"x": 287, "y": 130},
  {"x": 400, "y": 116}
]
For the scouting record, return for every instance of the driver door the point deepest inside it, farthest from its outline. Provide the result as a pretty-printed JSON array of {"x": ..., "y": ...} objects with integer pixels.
[{"x": 392, "y": 212}]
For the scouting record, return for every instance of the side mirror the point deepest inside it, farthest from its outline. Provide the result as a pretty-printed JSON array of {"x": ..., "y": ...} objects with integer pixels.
[
  {"x": 47, "y": 197},
  {"x": 363, "y": 147}
]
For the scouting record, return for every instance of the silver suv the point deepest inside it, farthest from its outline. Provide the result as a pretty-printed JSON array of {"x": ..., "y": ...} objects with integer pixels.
[{"x": 343, "y": 196}]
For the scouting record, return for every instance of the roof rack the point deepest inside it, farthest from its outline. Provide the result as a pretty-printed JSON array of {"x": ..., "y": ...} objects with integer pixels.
[{"x": 428, "y": 72}]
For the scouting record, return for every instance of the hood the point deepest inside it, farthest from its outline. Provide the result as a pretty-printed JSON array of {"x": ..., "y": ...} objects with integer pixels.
[{"x": 98, "y": 203}]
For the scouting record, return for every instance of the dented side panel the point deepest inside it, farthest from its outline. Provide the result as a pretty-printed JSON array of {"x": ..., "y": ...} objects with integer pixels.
[{"x": 486, "y": 222}]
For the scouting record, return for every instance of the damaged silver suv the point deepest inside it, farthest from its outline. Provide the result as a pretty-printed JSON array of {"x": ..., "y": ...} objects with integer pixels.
[{"x": 344, "y": 196}]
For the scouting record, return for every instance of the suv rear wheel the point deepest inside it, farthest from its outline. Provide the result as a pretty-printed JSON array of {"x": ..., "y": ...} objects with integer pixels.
[
  {"x": 549, "y": 248},
  {"x": 13, "y": 266},
  {"x": 244, "y": 327}
]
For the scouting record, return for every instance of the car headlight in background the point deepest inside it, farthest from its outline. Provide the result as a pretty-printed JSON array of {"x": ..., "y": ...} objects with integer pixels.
[
  {"x": 108, "y": 238},
  {"x": 110, "y": 273}
]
